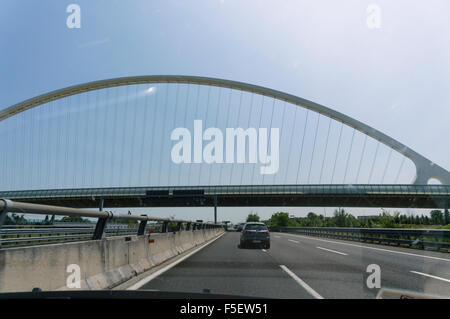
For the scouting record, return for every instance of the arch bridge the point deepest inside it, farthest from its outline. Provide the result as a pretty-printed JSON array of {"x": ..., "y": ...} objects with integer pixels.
[{"x": 260, "y": 193}]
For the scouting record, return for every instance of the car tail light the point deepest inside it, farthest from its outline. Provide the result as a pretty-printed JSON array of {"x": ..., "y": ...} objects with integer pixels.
[{"x": 244, "y": 232}]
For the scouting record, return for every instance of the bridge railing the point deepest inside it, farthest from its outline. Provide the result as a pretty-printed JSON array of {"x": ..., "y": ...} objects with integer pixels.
[
  {"x": 43, "y": 234},
  {"x": 438, "y": 239},
  {"x": 17, "y": 235}
]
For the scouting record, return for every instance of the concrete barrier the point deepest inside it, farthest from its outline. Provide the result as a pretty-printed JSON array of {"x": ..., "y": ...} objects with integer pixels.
[{"x": 102, "y": 264}]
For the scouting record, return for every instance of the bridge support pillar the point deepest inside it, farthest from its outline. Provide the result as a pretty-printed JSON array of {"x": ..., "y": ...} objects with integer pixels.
[
  {"x": 99, "y": 232},
  {"x": 2, "y": 221},
  {"x": 2, "y": 218},
  {"x": 142, "y": 225},
  {"x": 165, "y": 227},
  {"x": 215, "y": 209}
]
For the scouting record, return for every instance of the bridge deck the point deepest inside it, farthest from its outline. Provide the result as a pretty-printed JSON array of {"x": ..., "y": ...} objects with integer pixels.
[{"x": 417, "y": 196}]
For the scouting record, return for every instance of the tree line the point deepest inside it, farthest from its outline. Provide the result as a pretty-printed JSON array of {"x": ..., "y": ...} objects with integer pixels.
[{"x": 341, "y": 218}]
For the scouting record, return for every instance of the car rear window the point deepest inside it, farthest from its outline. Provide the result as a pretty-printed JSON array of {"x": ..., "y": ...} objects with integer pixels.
[{"x": 255, "y": 227}]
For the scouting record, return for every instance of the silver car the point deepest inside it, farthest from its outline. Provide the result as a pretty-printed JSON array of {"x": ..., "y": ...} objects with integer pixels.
[{"x": 255, "y": 234}]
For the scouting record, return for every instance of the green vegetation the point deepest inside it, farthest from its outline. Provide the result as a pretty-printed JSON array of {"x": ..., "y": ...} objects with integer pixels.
[
  {"x": 341, "y": 218},
  {"x": 14, "y": 219},
  {"x": 252, "y": 217},
  {"x": 74, "y": 219}
]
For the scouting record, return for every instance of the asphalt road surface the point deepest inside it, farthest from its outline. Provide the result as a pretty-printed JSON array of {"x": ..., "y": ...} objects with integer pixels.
[{"x": 306, "y": 267}]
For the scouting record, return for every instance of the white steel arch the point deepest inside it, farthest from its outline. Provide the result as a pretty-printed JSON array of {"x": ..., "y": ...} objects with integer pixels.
[{"x": 425, "y": 169}]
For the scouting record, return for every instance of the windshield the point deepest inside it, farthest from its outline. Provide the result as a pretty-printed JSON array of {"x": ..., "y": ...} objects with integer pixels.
[
  {"x": 255, "y": 227},
  {"x": 267, "y": 149}
]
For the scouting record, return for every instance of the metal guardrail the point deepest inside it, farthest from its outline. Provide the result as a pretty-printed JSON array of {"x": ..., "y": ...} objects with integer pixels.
[
  {"x": 415, "y": 238},
  {"x": 98, "y": 232},
  {"x": 13, "y": 235}
]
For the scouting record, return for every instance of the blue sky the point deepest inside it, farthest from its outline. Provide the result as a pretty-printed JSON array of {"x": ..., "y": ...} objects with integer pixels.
[{"x": 394, "y": 78}]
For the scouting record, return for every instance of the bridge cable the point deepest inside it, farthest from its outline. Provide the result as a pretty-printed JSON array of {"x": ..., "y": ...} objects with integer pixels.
[
  {"x": 226, "y": 124},
  {"x": 74, "y": 138},
  {"x": 133, "y": 136},
  {"x": 24, "y": 149},
  {"x": 124, "y": 123},
  {"x": 290, "y": 143},
  {"x": 102, "y": 163},
  {"x": 206, "y": 119},
  {"x": 57, "y": 148},
  {"x": 94, "y": 160},
  {"x": 68, "y": 141},
  {"x": 387, "y": 165},
  {"x": 85, "y": 132},
  {"x": 19, "y": 134},
  {"x": 325, "y": 152},
  {"x": 269, "y": 134},
  {"x": 113, "y": 157},
  {"x": 348, "y": 156},
  {"x": 195, "y": 117},
  {"x": 157, "y": 100},
  {"x": 260, "y": 121},
  {"x": 360, "y": 160},
  {"x": 16, "y": 150},
  {"x": 143, "y": 135},
  {"x": 90, "y": 161},
  {"x": 206, "y": 125},
  {"x": 87, "y": 124},
  {"x": 248, "y": 126},
  {"x": 52, "y": 147},
  {"x": 337, "y": 151},
  {"x": 99, "y": 150},
  {"x": 40, "y": 117},
  {"x": 186, "y": 105},
  {"x": 282, "y": 121},
  {"x": 215, "y": 125},
  {"x": 238, "y": 117},
  {"x": 176, "y": 107},
  {"x": 162, "y": 133},
  {"x": 373, "y": 163},
  {"x": 34, "y": 159},
  {"x": 4, "y": 158},
  {"x": 399, "y": 170},
  {"x": 301, "y": 150},
  {"x": 216, "y": 120},
  {"x": 314, "y": 147}
]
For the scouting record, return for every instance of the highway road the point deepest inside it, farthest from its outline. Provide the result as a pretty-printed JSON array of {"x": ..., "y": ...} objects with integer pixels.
[{"x": 305, "y": 267}]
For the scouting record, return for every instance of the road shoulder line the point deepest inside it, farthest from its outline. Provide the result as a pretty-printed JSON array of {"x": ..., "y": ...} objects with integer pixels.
[{"x": 162, "y": 270}]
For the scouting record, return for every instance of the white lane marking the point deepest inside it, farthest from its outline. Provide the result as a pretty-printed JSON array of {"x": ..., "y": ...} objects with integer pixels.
[
  {"x": 311, "y": 291},
  {"x": 264, "y": 250},
  {"x": 142, "y": 282},
  {"x": 294, "y": 241},
  {"x": 333, "y": 251},
  {"x": 374, "y": 248},
  {"x": 431, "y": 276}
]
